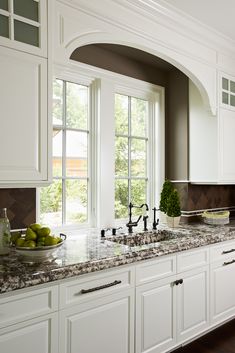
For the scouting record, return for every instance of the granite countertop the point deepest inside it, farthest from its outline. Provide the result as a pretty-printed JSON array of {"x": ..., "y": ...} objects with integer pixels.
[{"x": 86, "y": 252}]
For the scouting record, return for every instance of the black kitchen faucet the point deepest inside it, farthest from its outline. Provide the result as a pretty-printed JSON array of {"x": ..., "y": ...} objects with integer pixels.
[{"x": 132, "y": 224}]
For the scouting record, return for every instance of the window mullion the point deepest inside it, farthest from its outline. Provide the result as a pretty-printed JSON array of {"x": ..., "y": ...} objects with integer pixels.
[
  {"x": 64, "y": 155},
  {"x": 129, "y": 149},
  {"x": 11, "y": 11}
]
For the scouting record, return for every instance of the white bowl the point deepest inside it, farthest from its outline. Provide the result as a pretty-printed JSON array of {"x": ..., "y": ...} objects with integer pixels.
[{"x": 38, "y": 254}]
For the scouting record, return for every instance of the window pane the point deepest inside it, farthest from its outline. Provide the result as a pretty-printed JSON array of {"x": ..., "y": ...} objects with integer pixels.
[
  {"x": 138, "y": 157},
  {"x": 232, "y": 100},
  {"x": 4, "y": 5},
  {"x": 4, "y": 26},
  {"x": 76, "y": 201},
  {"x": 225, "y": 83},
  {"x": 121, "y": 114},
  {"x": 224, "y": 97},
  {"x": 139, "y": 111},
  {"x": 57, "y": 102},
  {"x": 76, "y": 154},
  {"x": 25, "y": 33},
  {"x": 121, "y": 198},
  {"x": 121, "y": 156},
  {"x": 26, "y": 8},
  {"x": 138, "y": 194},
  {"x": 232, "y": 86},
  {"x": 76, "y": 106},
  {"x": 57, "y": 153},
  {"x": 51, "y": 204}
]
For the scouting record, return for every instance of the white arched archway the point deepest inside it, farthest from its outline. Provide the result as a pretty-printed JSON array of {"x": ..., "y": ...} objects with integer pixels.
[{"x": 194, "y": 70}]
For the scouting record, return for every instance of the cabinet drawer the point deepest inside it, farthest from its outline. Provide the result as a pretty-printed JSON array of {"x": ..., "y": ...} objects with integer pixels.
[
  {"x": 189, "y": 260},
  {"x": 156, "y": 269},
  {"x": 20, "y": 307},
  {"x": 224, "y": 250},
  {"x": 93, "y": 286}
]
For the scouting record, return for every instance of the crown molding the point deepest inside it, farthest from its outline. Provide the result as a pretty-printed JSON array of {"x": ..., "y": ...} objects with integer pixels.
[
  {"x": 182, "y": 23},
  {"x": 164, "y": 14}
]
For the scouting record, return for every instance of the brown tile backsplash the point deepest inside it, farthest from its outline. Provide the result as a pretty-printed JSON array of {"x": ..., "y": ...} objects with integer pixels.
[
  {"x": 198, "y": 197},
  {"x": 21, "y": 203},
  {"x": 21, "y": 206}
]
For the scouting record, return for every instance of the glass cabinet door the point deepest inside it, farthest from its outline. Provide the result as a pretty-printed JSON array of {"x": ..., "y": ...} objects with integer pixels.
[
  {"x": 21, "y": 21},
  {"x": 228, "y": 92}
]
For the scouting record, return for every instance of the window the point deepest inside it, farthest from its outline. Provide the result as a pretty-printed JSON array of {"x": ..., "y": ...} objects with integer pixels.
[
  {"x": 131, "y": 153},
  {"x": 66, "y": 200}
]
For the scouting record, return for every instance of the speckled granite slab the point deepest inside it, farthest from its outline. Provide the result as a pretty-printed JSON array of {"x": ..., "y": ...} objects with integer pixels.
[{"x": 85, "y": 253}]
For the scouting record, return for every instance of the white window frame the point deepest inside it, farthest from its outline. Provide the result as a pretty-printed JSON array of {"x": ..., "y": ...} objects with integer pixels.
[
  {"x": 73, "y": 76},
  {"x": 155, "y": 95},
  {"x": 103, "y": 86}
]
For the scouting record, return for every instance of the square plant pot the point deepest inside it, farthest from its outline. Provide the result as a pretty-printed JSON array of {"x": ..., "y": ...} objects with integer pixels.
[{"x": 173, "y": 222}]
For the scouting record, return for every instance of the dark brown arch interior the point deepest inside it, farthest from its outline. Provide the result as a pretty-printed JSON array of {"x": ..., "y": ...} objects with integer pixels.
[{"x": 141, "y": 65}]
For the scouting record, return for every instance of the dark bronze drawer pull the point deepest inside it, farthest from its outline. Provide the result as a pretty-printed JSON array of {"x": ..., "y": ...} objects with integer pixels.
[
  {"x": 178, "y": 281},
  {"x": 228, "y": 251},
  {"x": 229, "y": 263},
  {"x": 85, "y": 291}
]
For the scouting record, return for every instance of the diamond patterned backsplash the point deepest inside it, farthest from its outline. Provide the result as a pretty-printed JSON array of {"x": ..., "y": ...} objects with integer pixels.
[
  {"x": 200, "y": 197},
  {"x": 21, "y": 206}
]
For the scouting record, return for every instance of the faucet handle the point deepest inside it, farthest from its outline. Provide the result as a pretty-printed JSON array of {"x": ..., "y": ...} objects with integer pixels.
[{"x": 155, "y": 224}]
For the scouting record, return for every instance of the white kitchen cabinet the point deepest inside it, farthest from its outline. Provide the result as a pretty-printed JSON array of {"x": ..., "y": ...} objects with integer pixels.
[
  {"x": 227, "y": 144},
  {"x": 226, "y": 127},
  {"x": 24, "y": 130},
  {"x": 210, "y": 156},
  {"x": 172, "y": 310},
  {"x": 105, "y": 324},
  {"x": 193, "y": 303},
  {"x": 156, "y": 316},
  {"x": 222, "y": 298},
  {"x": 29, "y": 321},
  {"x": 38, "y": 336}
]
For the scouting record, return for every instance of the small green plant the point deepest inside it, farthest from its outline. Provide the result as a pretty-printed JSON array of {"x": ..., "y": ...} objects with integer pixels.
[
  {"x": 173, "y": 205},
  {"x": 166, "y": 191}
]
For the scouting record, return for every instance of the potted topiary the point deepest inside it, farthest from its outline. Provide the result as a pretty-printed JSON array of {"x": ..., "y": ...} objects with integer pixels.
[
  {"x": 167, "y": 189},
  {"x": 173, "y": 209}
]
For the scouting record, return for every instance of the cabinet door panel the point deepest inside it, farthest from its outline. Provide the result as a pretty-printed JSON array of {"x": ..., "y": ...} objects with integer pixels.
[
  {"x": 155, "y": 317},
  {"x": 23, "y": 102},
  {"x": 37, "y": 336},
  {"x": 193, "y": 304},
  {"x": 222, "y": 292},
  {"x": 227, "y": 144},
  {"x": 103, "y": 325}
]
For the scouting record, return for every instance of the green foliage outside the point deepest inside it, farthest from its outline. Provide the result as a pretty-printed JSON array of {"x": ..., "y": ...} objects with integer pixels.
[
  {"x": 166, "y": 191},
  {"x": 51, "y": 197},
  {"x": 138, "y": 154},
  {"x": 75, "y": 190},
  {"x": 173, "y": 205}
]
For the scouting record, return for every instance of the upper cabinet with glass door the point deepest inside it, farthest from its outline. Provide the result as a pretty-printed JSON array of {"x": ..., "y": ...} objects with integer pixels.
[
  {"x": 228, "y": 92},
  {"x": 23, "y": 25}
]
